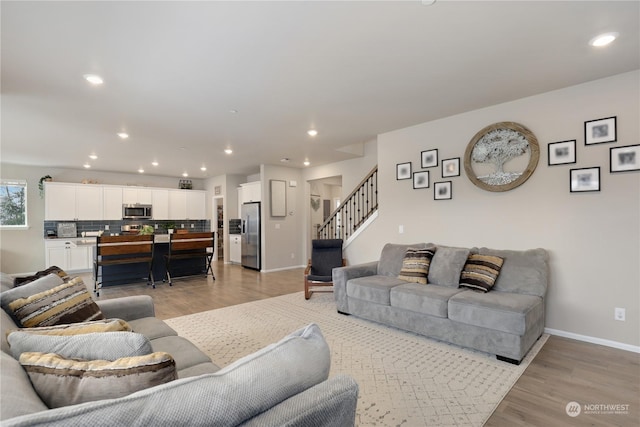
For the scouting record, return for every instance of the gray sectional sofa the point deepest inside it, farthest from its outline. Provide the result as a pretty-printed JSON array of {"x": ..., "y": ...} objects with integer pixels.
[
  {"x": 505, "y": 321},
  {"x": 284, "y": 384}
]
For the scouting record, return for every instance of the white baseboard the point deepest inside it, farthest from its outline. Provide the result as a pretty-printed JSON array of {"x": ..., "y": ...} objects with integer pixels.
[
  {"x": 293, "y": 267},
  {"x": 593, "y": 340}
]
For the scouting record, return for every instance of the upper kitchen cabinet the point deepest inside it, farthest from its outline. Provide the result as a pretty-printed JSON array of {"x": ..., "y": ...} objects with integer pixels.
[
  {"x": 196, "y": 204},
  {"x": 160, "y": 203},
  {"x": 73, "y": 202},
  {"x": 112, "y": 203},
  {"x": 251, "y": 192},
  {"x": 135, "y": 196},
  {"x": 177, "y": 204}
]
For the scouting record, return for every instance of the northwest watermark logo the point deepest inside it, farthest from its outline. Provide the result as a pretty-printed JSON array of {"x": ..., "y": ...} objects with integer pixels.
[{"x": 574, "y": 409}]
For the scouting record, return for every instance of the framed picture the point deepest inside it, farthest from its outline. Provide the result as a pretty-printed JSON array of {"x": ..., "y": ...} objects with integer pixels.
[
  {"x": 624, "y": 159},
  {"x": 403, "y": 171},
  {"x": 599, "y": 131},
  {"x": 562, "y": 153},
  {"x": 442, "y": 190},
  {"x": 421, "y": 179},
  {"x": 451, "y": 167},
  {"x": 429, "y": 158},
  {"x": 585, "y": 179}
]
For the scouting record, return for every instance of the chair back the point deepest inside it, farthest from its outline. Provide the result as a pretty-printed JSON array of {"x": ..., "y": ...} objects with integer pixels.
[
  {"x": 125, "y": 245},
  {"x": 326, "y": 254}
]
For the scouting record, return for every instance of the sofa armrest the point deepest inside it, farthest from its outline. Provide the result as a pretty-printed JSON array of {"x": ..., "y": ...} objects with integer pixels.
[
  {"x": 342, "y": 275},
  {"x": 127, "y": 308},
  {"x": 331, "y": 403}
]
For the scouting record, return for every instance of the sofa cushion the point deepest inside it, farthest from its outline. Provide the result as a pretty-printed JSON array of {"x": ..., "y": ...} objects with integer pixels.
[
  {"x": 502, "y": 311},
  {"x": 373, "y": 288},
  {"x": 152, "y": 328},
  {"x": 415, "y": 265},
  {"x": 447, "y": 264},
  {"x": 432, "y": 300},
  {"x": 199, "y": 369},
  {"x": 6, "y": 282},
  {"x": 102, "y": 345},
  {"x": 391, "y": 258},
  {"x": 524, "y": 272},
  {"x": 18, "y": 395},
  {"x": 67, "y": 303},
  {"x": 6, "y": 324},
  {"x": 480, "y": 272},
  {"x": 90, "y": 380},
  {"x": 183, "y": 351}
]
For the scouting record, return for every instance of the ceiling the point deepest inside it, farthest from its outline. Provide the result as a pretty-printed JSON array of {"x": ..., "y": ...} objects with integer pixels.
[{"x": 174, "y": 72}]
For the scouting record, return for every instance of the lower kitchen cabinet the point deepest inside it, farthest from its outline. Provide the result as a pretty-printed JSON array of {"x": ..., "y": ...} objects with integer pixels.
[
  {"x": 68, "y": 255},
  {"x": 235, "y": 248}
]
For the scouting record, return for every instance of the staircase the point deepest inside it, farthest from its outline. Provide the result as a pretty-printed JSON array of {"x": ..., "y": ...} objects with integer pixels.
[{"x": 354, "y": 211}]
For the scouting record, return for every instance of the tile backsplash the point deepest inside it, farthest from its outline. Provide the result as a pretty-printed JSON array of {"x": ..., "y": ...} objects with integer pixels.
[{"x": 114, "y": 226}]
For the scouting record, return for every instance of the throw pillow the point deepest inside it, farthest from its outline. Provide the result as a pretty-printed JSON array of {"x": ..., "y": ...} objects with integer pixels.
[
  {"x": 480, "y": 272},
  {"x": 19, "y": 281},
  {"x": 66, "y": 303},
  {"x": 104, "y": 325},
  {"x": 415, "y": 265},
  {"x": 63, "y": 382},
  {"x": 104, "y": 346}
]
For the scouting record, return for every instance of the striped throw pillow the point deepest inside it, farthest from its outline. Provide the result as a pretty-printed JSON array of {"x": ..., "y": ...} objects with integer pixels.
[
  {"x": 480, "y": 272},
  {"x": 94, "y": 326},
  {"x": 62, "y": 382},
  {"x": 415, "y": 265},
  {"x": 66, "y": 303}
]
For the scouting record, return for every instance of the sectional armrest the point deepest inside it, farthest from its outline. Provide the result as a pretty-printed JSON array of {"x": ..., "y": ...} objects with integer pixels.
[
  {"x": 127, "y": 308},
  {"x": 342, "y": 275}
]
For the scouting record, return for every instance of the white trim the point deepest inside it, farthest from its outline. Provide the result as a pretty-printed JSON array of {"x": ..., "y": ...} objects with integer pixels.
[
  {"x": 293, "y": 267},
  {"x": 593, "y": 340},
  {"x": 360, "y": 229}
]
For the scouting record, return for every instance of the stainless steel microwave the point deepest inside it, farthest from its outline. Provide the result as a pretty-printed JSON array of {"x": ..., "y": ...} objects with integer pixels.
[{"x": 136, "y": 212}]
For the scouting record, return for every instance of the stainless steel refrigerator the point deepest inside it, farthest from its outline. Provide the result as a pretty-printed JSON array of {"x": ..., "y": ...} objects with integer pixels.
[{"x": 250, "y": 236}]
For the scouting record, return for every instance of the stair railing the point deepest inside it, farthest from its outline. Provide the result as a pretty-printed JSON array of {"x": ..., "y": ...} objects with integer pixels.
[{"x": 353, "y": 211}]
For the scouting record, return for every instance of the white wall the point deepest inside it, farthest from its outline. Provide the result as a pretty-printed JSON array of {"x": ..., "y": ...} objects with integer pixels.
[
  {"x": 593, "y": 238},
  {"x": 23, "y": 250}
]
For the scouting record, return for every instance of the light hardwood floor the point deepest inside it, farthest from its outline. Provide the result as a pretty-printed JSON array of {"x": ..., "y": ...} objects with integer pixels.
[{"x": 564, "y": 371}]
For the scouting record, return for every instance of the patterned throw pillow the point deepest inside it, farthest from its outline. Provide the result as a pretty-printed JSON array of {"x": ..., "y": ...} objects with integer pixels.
[
  {"x": 415, "y": 265},
  {"x": 481, "y": 272},
  {"x": 19, "y": 281},
  {"x": 104, "y": 325},
  {"x": 63, "y": 382},
  {"x": 66, "y": 303}
]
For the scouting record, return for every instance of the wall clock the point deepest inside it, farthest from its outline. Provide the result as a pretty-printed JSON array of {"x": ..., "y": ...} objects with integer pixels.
[{"x": 501, "y": 156}]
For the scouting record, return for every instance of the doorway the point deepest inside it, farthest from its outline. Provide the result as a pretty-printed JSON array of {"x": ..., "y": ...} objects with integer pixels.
[
  {"x": 324, "y": 193},
  {"x": 217, "y": 225}
]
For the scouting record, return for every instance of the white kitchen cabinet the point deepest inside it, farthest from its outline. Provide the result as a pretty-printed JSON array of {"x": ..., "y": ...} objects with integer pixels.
[
  {"x": 112, "y": 209},
  {"x": 73, "y": 202},
  {"x": 137, "y": 196},
  {"x": 235, "y": 248},
  {"x": 68, "y": 255},
  {"x": 160, "y": 204},
  {"x": 196, "y": 204},
  {"x": 177, "y": 204},
  {"x": 251, "y": 192}
]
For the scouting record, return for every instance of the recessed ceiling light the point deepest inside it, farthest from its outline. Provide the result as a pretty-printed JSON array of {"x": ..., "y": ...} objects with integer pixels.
[
  {"x": 285, "y": 160},
  {"x": 86, "y": 165},
  {"x": 203, "y": 169},
  {"x": 233, "y": 111},
  {"x": 93, "y": 156},
  {"x": 94, "y": 79},
  {"x": 140, "y": 170},
  {"x": 154, "y": 163},
  {"x": 603, "y": 39},
  {"x": 306, "y": 163},
  {"x": 312, "y": 132},
  {"x": 185, "y": 174},
  {"x": 123, "y": 135},
  {"x": 228, "y": 151}
]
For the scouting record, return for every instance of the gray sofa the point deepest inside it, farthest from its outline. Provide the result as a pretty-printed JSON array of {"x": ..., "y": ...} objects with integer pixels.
[
  {"x": 284, "y": 384},
  {"x": 506, "y": 321}
]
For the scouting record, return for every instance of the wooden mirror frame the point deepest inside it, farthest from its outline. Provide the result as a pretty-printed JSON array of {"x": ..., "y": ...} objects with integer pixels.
[{"x": 534, "y": 151}]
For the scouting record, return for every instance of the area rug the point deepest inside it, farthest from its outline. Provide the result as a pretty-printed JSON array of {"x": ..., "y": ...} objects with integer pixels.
[{"x": 405, "y": 379}]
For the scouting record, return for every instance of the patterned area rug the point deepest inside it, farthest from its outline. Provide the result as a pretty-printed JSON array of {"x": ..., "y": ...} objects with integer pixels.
[{"x": 405, "y": 379}]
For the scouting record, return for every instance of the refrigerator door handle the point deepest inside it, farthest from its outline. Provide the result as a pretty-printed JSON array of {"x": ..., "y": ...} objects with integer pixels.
[{"x": 243, "y": 227}]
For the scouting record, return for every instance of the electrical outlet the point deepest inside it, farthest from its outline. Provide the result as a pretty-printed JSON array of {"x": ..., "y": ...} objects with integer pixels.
[
  {"x": 181, "y": 225},
  {"x": 292, "y": 255},
  {"x": 400, "y": 229},
  {"x": 155, "y": 226},
  {"x": 619, "y": 314},
  {"x": 193, "y": 226},
  {"x": 106, "y": 227}
]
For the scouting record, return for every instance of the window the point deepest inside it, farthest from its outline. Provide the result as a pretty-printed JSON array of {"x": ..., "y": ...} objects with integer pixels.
[{"x": 13, "y": 204}]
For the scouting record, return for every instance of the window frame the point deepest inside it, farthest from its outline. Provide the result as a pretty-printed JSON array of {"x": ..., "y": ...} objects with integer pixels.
[{"x": 17, "y": 183}]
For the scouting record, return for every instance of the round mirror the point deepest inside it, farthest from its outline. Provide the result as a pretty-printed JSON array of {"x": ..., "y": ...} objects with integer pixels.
[{"x": 501, "y": 156}]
